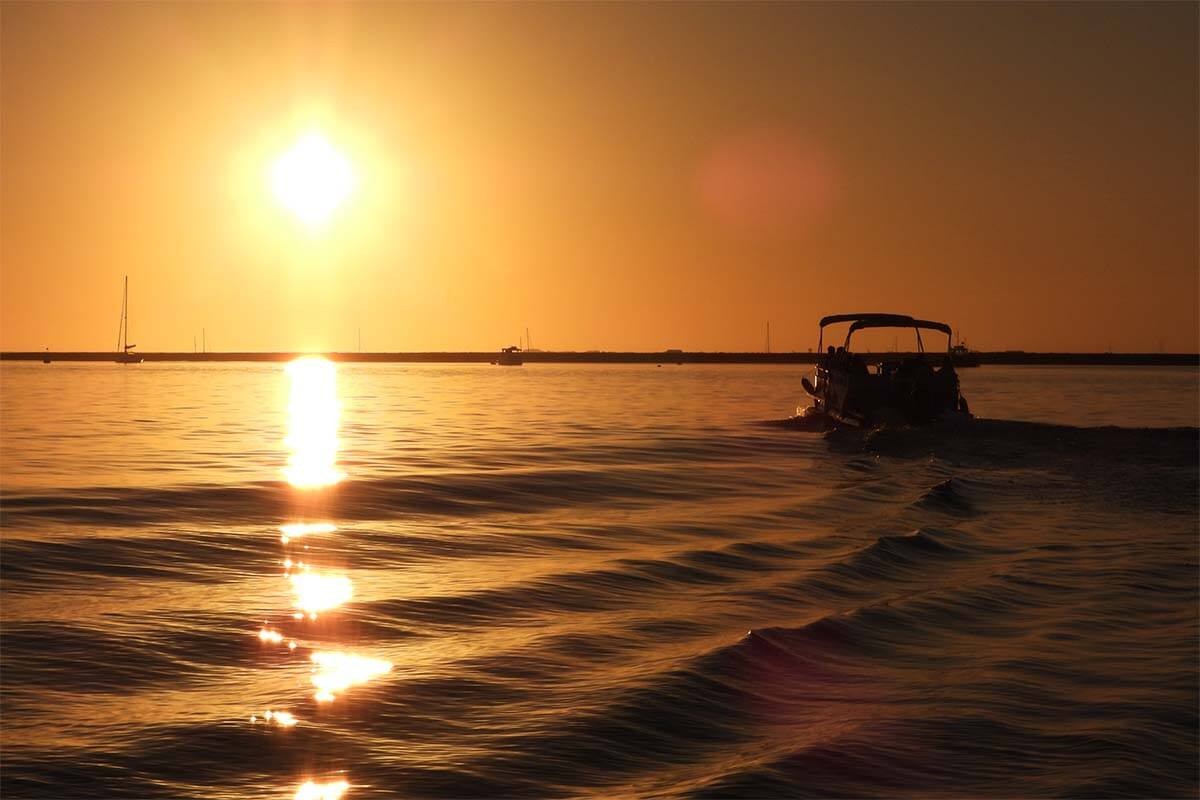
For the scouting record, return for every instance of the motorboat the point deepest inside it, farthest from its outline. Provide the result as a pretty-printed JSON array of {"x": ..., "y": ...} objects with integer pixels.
[
  {"x": 912, "y": 388},
  {"x": 963, "y": 357},
  {"x": 510, "y": 357}
]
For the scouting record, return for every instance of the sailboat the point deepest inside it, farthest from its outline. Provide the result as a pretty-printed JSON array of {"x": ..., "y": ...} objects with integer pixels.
[{"x": 124, "y": 356}]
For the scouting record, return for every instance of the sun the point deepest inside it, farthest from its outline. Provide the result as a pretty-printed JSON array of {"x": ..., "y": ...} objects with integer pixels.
[{"x": 312, "y": 179}]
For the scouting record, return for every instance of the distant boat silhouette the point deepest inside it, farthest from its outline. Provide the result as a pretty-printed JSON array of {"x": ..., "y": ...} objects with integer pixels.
[
  {"x": 46, "y": 358},
  {"x": 510, "y": 357},
  {"x": 963, "y": 357},
  {"x": 123, "y": 345}
]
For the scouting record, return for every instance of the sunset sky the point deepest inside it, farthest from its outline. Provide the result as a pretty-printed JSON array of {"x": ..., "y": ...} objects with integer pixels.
[{"x": 611, "y": 176}]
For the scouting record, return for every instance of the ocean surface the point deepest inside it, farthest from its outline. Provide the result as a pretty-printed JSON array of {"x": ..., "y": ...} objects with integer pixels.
[{"x": 592, "y": 581}]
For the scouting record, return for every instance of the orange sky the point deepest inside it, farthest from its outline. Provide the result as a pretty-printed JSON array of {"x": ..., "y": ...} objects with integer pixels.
[{"x": 611, "y": 176}]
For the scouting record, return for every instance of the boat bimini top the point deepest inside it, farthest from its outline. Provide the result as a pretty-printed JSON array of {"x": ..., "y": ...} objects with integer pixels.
[{"x": 860, "y": 321}]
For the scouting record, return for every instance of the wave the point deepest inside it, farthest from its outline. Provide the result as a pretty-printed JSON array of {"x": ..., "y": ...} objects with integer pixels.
[
  {"x": 947, "y": 497},
  {"x": 441, "y": 494},
  {"x": 927, "y": 613},
  {"x": 837, "y": 706},
  {"x": 1146, "y": 462},
  {"x": 911, "y": 556}
]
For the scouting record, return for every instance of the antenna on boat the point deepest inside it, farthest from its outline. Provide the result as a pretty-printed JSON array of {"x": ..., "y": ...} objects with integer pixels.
[{"x": 528, "y": 341}]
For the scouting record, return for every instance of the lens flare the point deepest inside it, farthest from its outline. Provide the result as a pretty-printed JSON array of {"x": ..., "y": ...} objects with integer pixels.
[
  {"x": 294, "y": 530},
  {"x": 313, "y": 411},
  {"x": 321, "y": 791},
  {"x": 333, "y": 673},
  {"x": 316, "y": 592}
]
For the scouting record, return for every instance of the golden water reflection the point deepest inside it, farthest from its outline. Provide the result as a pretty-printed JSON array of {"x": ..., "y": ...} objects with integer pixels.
[
  {"x": 316, "y": 592},
  {"x": 295, "y": 530},
  {"x": 267, "y": 635},
  {"x": 312, "y": 439},
  {"x": 334, "y": 672},
  {"x": 321, "y": 791},
  {"x": 313, "y": 412},
  {"x": 283, "y": 719}
]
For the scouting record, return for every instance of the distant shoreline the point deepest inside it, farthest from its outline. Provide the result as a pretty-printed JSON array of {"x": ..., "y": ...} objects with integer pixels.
[{"x": 605, "y": 357}]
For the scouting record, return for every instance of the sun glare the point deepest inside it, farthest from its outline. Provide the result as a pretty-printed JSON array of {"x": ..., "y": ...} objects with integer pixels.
[
  {"x": 266, "y": 635},
  {"x": 295, "y": 530},
  {"x": 312, "y": 179},
  {"x": 322, "y": 791},
  {"x": 316, "y": 592},
  {"x": 313, "y": 411},
  {"x": 334, "y": 673}
]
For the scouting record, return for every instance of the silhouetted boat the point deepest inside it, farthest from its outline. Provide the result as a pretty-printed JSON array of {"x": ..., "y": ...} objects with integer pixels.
[
  {"x": 907, "y": 389},
  {"x": 124, "y": 356},
  {"x": 510, "y": 357},
  {"x": 963, "y": 357}
]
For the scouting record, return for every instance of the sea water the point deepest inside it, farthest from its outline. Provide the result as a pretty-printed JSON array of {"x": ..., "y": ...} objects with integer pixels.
[{"x": 592, "y": 581}]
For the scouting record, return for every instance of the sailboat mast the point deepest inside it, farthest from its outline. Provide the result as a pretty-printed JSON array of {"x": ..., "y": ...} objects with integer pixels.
[
  {"x": 123, "y": 328},
  {"x": 121, "y": 324},
  {"x": 125, "y": 306}
]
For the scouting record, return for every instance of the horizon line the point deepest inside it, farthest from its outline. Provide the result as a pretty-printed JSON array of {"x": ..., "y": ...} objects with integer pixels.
[{"x": 672, "y": 356}]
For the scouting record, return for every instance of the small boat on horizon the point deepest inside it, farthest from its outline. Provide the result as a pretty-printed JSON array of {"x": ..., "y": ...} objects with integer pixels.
[
  {"x": 964, "y": 357},
  {"x": 904, "y": 389},
  {"x": 124, "y": 348},
  {"x": 510, "y": 356}
]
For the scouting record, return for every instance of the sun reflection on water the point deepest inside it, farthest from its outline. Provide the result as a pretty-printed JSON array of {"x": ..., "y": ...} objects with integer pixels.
[
  {"x": 313, "y": 412},
  {"x": 294, "y": 530},
  {"x": 316, "y": 592},
  {"x": 321, "y": 791},
  {"x": 283, "y": 719},
  {"x": 312, "y": 439},
  {"x": 267, "y": 635},
  {"x": 334, "y": 672}
]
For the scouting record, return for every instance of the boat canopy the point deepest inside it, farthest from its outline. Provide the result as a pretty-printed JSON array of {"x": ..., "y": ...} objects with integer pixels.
[
  {"x": 875, "y": 320},
  {"x": 897, "y": 319},
  {"x": 905, "y": 322}
]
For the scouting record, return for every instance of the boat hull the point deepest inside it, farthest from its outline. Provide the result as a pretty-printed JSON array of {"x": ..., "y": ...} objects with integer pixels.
[{"x": 913, "y": 393}]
